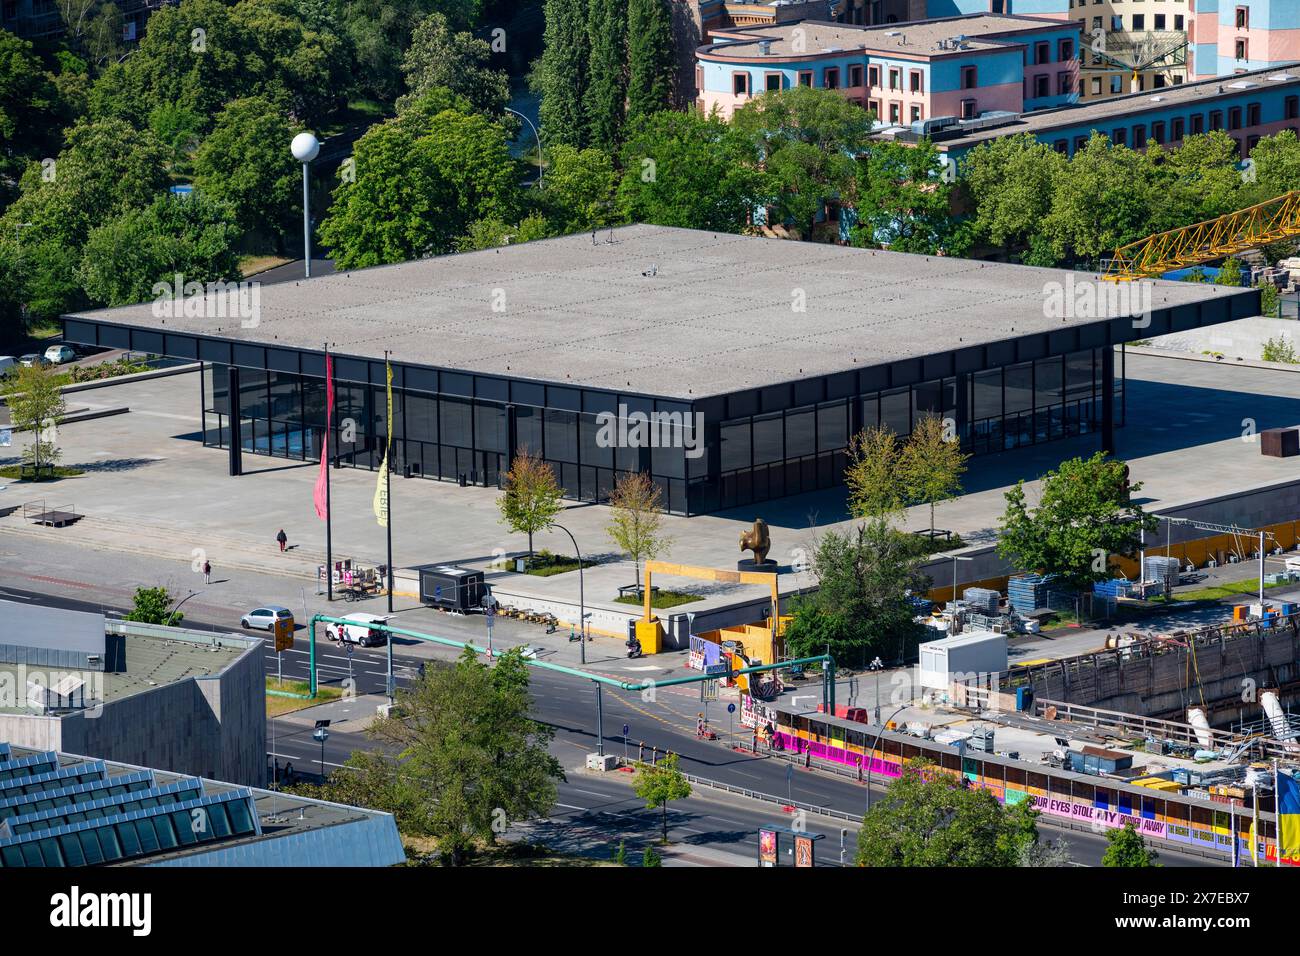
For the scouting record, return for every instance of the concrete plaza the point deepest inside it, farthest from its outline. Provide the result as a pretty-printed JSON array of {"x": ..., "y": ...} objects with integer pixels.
[{"x": 150, "y": 487}]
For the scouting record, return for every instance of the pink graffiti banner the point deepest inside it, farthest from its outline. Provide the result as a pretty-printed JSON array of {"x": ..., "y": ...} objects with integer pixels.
[{"x": 1093, "y": 815}]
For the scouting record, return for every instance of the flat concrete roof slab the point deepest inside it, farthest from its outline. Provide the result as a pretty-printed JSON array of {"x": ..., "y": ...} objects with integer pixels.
[{"x": 716, "y": 316}]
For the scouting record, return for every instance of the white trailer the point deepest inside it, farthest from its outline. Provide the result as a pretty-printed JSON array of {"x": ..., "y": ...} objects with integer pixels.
[{"x": 964, "y": 658}]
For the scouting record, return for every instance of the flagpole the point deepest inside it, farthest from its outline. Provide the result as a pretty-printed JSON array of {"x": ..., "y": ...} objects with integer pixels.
[
  {"x": 1277, "y": 813},
  {"x": 1254, "y": 826},
  {"x": 388, "y": 471},
  {"x": 329, "y": 511}
]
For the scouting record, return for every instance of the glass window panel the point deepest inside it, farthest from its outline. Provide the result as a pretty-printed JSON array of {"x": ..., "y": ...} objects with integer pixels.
[
  {"x": 108, "y": 842},
  {"x": 597, "y": 448},
  {"x": 162, "y": 826},
  {"x": 241, "y": 821},
  {"x": 456, "y": 424},
  {"x": 927, "y": 399},
  {"x": 1019, "y": 387},
  {"x": 768, "y": 442},
  {"x": 218, "y": 821},
  {"x": 800, "y": 432},
  {"x": 528, "y": 428},
  {"x": 832, "y": 426},
  {"x": 421, "y": 418},
  {"x": 71, "y": 848},
  {"x": 32, "y": 855},
  {"x": 561, "y": 435},
  {"x": 129, "y": 838},
  {"x": 735, "y": 445},
  {"x": 491, "y": 427},
  {"x": 1048, "y": 382},
  {"x": 871, "y": 411},
  {"x": 669, "y": 462},
  {"x": 1078, "y": 375},
  {"x": 185, "y": 823},
  {"x": 895, "y": 411},
  {"x": 90, "y": 846},
  {"x": 986, "y": 394}
]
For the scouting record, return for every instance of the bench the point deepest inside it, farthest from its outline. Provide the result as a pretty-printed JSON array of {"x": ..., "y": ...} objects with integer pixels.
[{"x": 31, "y": 470}]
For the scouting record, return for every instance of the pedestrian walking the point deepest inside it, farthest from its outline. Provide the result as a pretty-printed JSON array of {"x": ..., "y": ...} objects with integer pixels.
[
  {"x": 207, "y": 572},
  {"x": 283, "y": 539}
]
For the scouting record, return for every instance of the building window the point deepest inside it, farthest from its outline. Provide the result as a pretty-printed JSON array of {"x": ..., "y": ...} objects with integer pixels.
[
  {"x": 1158, "y": 81},
  {"x": 969, "y": 109},
  {"x": 1061, "y": 146},
  {"x": 873, "y": 76},
  {"x": 740, "y": 84},
  {"x": 855, "y": 76},
  {"x": 1216, "y": 119},
  {"x": 1176, "y": 130},
  {"x": 1117, "y": 23},
  {"x": 876, "y": 109},
  {"x": 1041, "y": 87},
  {"x": 773, "y": 82},
  {"x": 1252, "y": 114},
  {"x": 895, "y": 79},
  {"x": 1291, "y": 107},
  {"x": 1178, "y": 21},
  {"x": 1198, "y": 124},
  {"x": 1042, "y": 52},
  {"x": 1065, "y": 50},
  {"x": 1080, "y": 142},
  {"x": 1064, "y": 84},
  {"x": 968, "y": 78},
  {"x": 1096, "y": 86},
  {"x": 915, "y": 113},
  {"x": 831, "y": 78},
  {"x": 1139, "y": 136},
  {"x": 915, "y": 83},
  {"x": 699, "y": 77},
  {"x": 1117, "y": 83},
  {"x": 1160, "y": 21},
  {"x": 1242, "y": 51},
  {"x": 1119, "y": 136},
  {"x": 1234, "y": 118},
  {"x": 805, "y": 78},
  {"x": 1251, "y": 143},
  {"x": 1139, "y": 21},
  {"x": 1158, "y": 131},
  {"x": 1243, "y": 18},
  {"x": 893, "y": 113}
]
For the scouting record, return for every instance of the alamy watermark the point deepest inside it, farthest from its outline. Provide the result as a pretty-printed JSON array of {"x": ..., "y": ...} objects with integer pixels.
[
  {"x": 624, "y": 429},
  {"x": 213, "y": 300},
  {"x": 1083, "y": 298}
]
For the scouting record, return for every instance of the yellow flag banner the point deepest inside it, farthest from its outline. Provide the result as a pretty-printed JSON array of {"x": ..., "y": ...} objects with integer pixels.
[{"x": 380, "y": 503}]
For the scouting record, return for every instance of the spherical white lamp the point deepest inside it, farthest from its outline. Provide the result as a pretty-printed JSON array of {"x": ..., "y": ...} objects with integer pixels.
[{"x": 305, "y": 147}]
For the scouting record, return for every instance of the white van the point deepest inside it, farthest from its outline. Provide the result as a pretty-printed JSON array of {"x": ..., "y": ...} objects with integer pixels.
[
  {"x": 7, "y": 363},
  {"x": 362, "y": 632}
]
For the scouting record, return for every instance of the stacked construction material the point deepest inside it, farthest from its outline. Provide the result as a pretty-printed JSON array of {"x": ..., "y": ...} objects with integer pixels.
[
  {"x": 1162, "y": 570},
  {"x": 1033, "y": 592},
  {"x": 983, "y": 600}
]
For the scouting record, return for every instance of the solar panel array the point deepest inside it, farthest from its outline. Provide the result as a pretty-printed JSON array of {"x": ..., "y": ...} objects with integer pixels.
[{"x": 80, "y": 815}]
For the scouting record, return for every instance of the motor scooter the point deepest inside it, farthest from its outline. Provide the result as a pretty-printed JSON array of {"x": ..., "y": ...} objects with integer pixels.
[{"x": 633, "y": 648}]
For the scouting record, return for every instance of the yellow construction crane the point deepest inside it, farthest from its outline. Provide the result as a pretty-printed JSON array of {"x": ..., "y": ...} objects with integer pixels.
[{"x": 1249, "y": 228}]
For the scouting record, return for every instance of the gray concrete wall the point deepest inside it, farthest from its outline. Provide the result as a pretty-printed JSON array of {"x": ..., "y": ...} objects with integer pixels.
[{"x": 1243, "y": 338}]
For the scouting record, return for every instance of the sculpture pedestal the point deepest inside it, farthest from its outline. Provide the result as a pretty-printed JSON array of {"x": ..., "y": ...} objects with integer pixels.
[{"x": 749, "y": 564}]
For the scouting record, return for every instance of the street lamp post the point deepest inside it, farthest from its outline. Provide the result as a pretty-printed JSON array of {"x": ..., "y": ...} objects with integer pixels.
[
  {"x": 880, "y": 729},
  {"x": 875, "y": 667},
  {"x": 955, "y": 559},
  {"x": 582, "y": 601},
  {"x": 322, "y": 735},
  {"x": 536, "y": 136},
  {"x": 305, "y": 147}
]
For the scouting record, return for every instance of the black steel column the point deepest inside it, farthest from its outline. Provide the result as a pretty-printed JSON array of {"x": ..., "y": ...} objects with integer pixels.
[
  {"x": 1108, "y": 399},
  {"x": 512, "y": 434},
  {"x": 962, "y": 409},
  {"x": 234, "y": 416}
]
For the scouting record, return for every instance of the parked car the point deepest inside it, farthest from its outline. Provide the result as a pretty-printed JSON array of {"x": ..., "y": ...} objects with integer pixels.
[
  {"x": 362, "y": 632},
  {"x": 31, "y": 359},
  {"x": 7, "y": 363},
  {"x": 59, "y": 354},
  {"x": 264, "y": 618}
]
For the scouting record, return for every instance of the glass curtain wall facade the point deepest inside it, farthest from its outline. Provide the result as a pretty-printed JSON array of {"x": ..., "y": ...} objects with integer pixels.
[
  {"x": 745, "y": 459},
  {"x": 450, "y": 438},
  {"x": 805, "y": 449}
]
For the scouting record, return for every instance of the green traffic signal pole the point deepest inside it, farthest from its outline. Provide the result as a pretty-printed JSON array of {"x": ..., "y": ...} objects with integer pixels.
[{"x": 827, "y": 662}]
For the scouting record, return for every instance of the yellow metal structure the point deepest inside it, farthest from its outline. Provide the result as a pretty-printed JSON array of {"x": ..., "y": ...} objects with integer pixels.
[
  {"x": 1249, "y": 228},
  {"x": 764, "y": 578}
]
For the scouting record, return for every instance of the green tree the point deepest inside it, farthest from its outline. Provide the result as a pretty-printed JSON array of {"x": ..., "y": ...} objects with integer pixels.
[
  {"x": 872, "y": 473},
  {"x": 1279, "y": 349},
  {"x": 29, "y": 111},
  {"x": 421, "y": 180},
  {"x": 606, "y": 94},
  {"x": 1125, "y": 848},
  {"x": 931, "y": 463},
  {"x": 1085, "y": 515},
  {"x": 930, "y": 818},
  {"x": 178, "y": 129},
  {"x": 379, "y": 31},
  {"x": 657, "y": 784},
  {"x": 636, "y": 519},
  {"x": 1230, "y": 273},
  {"x": 620, "y": 854},
  {"x": 1276, "y": 162},
  {"x": 561, "y": 74},
  {"x": 473, "y": 758},
  {"x": 246, "y": 163},
  {"x": 530, "y": 499},
  {"x": 1104, "y": 201},
  {"x": 1197, "y": 181},
  {"x": 491, "y": 233},
  {"x": 1010, "y": 181},
  {"x": 686, "y": 170},
  {"x": 440, "y": 57},
  {"x": 579, "y": 189},
  {"x": 153, "y": 606},
  {"x": 905, "y": 202},
  {"x": 806, "y": 139},
  {"x": 650, "y": 58},
  {"x": 1269, "y": 299},
  {"x": 861, "y": 606},
  {"x": 651, "y": 857},
  {"x": 193, "y": 237},
  {"x": 36, "y": 405}
]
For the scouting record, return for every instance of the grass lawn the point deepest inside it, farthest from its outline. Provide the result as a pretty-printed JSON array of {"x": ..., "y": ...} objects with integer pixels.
[
  {"x": 1246, "y": 586},
  {"x": 278, "y": 706},
  {"x": 60, "y": 471},
  {"x": 661, "y": 599},
  {"x": 251, "y": 265},
  {"x": 544, "y": 564}
]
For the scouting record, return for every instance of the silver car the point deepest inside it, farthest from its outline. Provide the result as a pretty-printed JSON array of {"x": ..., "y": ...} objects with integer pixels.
[{"x": 264, "y": 618}]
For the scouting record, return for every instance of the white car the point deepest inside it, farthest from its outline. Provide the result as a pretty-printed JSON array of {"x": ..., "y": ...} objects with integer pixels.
[
  {"x": 264, "y": 618},
  {"x": 59, "y": 354},
  {"x": 363, "y": 632}
]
